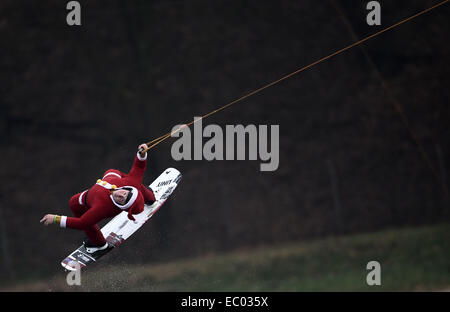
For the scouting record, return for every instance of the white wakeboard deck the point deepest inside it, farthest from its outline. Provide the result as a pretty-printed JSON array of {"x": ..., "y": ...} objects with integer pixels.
[{"x": 120, "y": 227}]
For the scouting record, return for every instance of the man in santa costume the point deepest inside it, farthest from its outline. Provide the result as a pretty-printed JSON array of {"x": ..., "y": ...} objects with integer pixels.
[{"x": 112, "y": 194}]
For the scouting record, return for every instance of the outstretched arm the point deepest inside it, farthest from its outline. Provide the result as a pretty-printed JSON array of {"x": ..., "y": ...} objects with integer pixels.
[
  {"x": 140, "y": 163},
  {"x": 91, "y": 217}
]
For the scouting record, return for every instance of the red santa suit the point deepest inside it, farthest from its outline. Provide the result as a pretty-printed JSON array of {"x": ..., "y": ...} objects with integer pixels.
[{"x": 97, "y": 203}]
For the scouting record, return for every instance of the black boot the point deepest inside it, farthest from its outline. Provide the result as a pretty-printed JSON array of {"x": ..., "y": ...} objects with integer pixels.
[
  {"x": 91, "y": 248},
  {"x": 148, "y": 202}
]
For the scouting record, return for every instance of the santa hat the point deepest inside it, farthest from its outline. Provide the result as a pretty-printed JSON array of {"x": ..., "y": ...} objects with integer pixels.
[{"x": 134, "y": 201}]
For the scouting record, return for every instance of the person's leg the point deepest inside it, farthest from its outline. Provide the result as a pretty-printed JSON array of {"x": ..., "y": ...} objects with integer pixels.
[
  {"x": 95, "y": 236},
  {"x": 88, "y": 219},
  {"x": 76, "y": 204},
  {"x": 149, "y": 196}
]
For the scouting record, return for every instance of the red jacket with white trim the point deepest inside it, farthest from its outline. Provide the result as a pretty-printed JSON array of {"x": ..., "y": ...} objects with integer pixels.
[{"x": 99, "y": 199}]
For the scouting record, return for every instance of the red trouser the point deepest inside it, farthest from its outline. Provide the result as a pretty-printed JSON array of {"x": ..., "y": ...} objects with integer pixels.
[{"x": 88, "y": 219}]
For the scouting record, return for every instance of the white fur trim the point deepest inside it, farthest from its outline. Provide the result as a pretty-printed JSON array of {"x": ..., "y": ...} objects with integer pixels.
[
  {"x": 132, "y": 199},
  {"x": 111, "y": 173},
  {"x": 80, "y": 199},
  {"x": 63, "y": 221},
  {"x": 142, "y": 158}
]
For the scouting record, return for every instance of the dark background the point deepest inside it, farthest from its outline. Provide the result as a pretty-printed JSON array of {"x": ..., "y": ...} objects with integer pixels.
[{"x": 364, "y": 136}]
